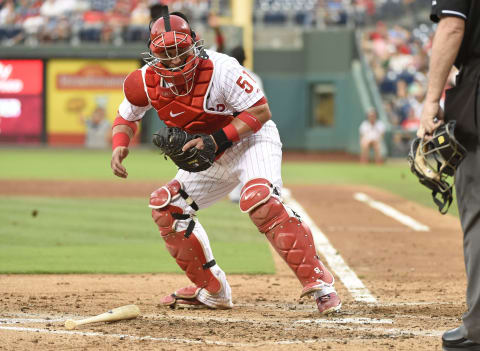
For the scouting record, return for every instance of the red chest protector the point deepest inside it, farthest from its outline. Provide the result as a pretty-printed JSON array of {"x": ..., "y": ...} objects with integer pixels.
[{"x": 187, "y": 111}]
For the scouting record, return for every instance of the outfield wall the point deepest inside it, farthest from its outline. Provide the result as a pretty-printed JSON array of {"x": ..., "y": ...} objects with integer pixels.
[{"x": 315, "y": 95}]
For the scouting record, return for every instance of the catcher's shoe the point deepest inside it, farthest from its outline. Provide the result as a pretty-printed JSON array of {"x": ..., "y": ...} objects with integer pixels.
[
  {"x": 183, "y": 298},
  {"x": 193, "y": 297},
  {"x": 329, "y": 303}
]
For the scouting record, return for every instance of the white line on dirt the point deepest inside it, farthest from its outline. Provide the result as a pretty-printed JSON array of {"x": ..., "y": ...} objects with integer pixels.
[
  {"x": 348, "y": 277},
  {"x": 29, "y": 320},
  {"x": 347, "y": 321},
  {"x": 351, "y": 320},
  {"x": 368, "y": 229},
  {"x": 174, "y": 340},
  {"x": 392, "y": 332},
  {"x": 391, "y": 212}
]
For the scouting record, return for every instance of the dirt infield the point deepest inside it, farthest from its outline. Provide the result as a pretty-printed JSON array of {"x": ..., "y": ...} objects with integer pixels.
[{"x": 417, "y": 279}]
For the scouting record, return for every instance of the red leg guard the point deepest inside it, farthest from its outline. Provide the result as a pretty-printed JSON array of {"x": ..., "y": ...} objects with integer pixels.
[
  {"x": 187, "y": 251},
  {"x": 290, "y": 237}
]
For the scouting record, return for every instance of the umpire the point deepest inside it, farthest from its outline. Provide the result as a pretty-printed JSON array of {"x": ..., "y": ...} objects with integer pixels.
[{"x": 457, "y": 42}]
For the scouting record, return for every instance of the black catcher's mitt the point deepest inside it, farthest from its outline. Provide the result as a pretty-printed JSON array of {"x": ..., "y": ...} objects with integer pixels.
[{"x": 170, "y": 141}]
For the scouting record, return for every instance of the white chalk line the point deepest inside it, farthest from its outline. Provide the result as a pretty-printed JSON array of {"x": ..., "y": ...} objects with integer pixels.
[
  {"x": 30, "y": 320},
  {"x": 309, "y": 308},
  {"x": 333, "y": 323},
  {"x": 369, "y": 229},
  {"x": 391, "y": 212},
  {"x": 348, "y": 320},
  {"x": 348, "y": 277},
  {"x": 173, "y": 340}
]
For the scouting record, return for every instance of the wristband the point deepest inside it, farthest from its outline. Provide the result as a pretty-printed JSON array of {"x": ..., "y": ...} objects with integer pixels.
[
  {"x": 222, "y": 141},
  {"x": 231, "y": 132},
  {"x": 250, "y": 120},
  {"x": 120, "y": 139}
]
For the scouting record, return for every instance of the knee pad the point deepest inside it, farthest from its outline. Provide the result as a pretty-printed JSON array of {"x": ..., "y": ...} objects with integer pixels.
[
  {"x": 184, "y": 246},
  {"x": 259, "y": 199},
  {"x": 290, "y": 237}
]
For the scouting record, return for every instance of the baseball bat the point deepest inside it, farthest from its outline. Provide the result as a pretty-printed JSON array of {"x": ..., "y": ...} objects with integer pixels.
[{"x": 115, "y": 314}]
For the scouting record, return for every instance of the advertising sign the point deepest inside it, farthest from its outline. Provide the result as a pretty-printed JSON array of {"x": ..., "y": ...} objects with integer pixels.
[
  {"x": 83, "y": 98},
  {"x": 21, "y": 104}
]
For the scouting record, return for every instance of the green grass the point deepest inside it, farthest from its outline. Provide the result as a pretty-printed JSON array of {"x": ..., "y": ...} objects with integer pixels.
[
  {"x": 102, "y": 235},
  {"x": 119, "y": 236},
  {"x": 45, "y": 163}
]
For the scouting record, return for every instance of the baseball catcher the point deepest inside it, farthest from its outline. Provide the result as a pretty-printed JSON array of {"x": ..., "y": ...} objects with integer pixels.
[
  {"x": 434, "y": 162},
  {"x": 172, "y": 142},
  {"x": 220, "y": 134}
]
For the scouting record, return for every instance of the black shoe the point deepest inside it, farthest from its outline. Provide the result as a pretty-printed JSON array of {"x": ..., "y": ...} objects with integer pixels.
[{"x": 456, "y": 339}]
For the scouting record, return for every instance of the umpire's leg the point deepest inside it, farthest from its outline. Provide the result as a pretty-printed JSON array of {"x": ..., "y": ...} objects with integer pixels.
[{"x": 468, "y": 198}]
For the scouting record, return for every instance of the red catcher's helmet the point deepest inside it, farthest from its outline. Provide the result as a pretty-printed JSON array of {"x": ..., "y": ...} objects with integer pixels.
[{"x": 174, "y": 54}]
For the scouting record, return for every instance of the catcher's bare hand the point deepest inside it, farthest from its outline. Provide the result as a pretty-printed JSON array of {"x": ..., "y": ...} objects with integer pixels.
[
  {"x": 118, "y": 155},
  {"x": 431, "y": 119},
  {"x": 197, "y": 142}
]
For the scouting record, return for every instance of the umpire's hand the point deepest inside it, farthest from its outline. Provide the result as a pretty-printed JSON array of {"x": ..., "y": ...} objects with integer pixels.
[
  {"x": 431, "y": 119},
  {"x": 118, "y": 155}
]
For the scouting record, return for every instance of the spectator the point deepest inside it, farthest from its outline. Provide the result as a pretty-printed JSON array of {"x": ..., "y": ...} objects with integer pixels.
[
  {"x": 371, "y": 137},
  {"x": 98, "y": 129},
  {"x": 219, "y": 39}
]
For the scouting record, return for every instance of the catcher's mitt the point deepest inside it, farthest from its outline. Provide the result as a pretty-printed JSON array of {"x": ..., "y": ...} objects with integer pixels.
[{"x": 170, "y": 141}]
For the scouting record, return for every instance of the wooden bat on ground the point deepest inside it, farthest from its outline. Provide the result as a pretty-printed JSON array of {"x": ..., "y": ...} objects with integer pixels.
[{"x": 116, "y": 314}]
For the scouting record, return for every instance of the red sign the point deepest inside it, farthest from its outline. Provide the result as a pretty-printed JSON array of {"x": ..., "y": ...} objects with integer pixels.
[
  {"x": 21, "y": 101},
  {"x": 20, "y": 77}
]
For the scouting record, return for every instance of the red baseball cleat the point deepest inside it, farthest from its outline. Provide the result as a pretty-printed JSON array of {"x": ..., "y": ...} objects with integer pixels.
[{"x": 329, "y": 303}]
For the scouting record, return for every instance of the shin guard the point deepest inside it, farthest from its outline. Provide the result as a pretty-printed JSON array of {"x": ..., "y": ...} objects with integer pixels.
[
  {"x": 184, "y": 246},
  {"x": 290, "y": 237}
]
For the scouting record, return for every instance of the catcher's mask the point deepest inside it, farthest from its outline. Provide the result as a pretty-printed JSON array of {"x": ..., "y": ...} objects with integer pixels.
[
  {"x": 174, "y": 53},
  {"x": 435, "y": 161}
]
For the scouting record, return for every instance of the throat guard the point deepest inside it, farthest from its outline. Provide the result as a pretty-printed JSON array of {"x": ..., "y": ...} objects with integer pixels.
[{"x": 435, "y": 161}]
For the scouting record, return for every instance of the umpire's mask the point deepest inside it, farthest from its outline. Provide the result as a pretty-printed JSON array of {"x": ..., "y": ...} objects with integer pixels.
[{"x": 435, "y": 161}]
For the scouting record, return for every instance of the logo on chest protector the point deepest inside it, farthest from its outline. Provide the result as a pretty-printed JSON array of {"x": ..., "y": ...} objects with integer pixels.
[{"x": 173, "y": 115}]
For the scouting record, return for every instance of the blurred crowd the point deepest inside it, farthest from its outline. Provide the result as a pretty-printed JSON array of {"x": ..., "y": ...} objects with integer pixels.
[
  {"x": 399, "y": 58},
  {"x": 119, "y": 21}
]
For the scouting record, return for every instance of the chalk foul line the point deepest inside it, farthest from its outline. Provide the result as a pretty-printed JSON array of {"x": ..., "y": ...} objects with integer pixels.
[
  {"x": 348, "y": 277},
  {"x": 391, "y": 212}
]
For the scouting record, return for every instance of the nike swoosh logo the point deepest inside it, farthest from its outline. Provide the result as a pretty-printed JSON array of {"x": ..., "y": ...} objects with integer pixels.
[
  {"x": 249, "y": 195},
  {"x": 173, "y": 115}
]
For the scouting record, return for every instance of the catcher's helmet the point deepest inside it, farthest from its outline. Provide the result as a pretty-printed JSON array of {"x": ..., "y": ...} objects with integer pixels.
[
  {"x": 434, "y": 162},
  {"x": 174, "y": 53}
]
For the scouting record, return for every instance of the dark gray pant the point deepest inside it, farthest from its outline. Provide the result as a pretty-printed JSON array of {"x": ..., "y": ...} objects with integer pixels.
[{"x": 467, "y": 186}]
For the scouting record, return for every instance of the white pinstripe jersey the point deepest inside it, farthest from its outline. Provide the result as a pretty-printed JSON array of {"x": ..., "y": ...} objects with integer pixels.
[{"x": 231, "y": 90}]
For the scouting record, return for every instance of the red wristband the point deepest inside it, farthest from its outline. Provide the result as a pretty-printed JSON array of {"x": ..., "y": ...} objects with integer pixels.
[
  {"x": 250, "y": 120},
  {"x": 120, "y": 139},
  {"x": 231, "y": 132}
]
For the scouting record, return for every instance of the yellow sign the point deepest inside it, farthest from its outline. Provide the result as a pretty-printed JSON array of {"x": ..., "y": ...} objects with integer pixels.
[{"x": 78, "y": 88}]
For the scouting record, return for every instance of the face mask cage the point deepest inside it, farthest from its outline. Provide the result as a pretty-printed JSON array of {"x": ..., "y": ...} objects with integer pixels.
[
  {"x": 170, "y": 46},
  {"x": 442, "y": 153}
]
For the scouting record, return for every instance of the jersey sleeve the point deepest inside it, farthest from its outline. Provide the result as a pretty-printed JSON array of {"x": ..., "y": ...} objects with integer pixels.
[
  {"x": 131, "y": 112},
  {"x": 135, "y": 103},
  {"x": 453, "y": 8},
  {"x": 241, "y": 91}
]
